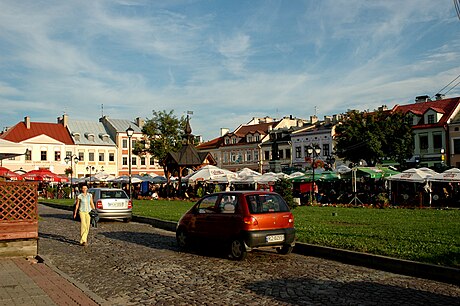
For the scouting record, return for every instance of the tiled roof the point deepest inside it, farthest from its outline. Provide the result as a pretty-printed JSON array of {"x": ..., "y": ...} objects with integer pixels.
[
  {"x": 20, "y": 132},
  {"x": 212, "y": 144},
  {"x": 261, "y": 128},
  {"x": 446, "y": 107},
  {"x": 85, "y": 128}
]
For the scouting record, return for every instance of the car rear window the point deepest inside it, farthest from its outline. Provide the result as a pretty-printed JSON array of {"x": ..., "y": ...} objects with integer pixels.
[
  {"x": 266, "y": 203},
  {"x": 113, "y": 194}
]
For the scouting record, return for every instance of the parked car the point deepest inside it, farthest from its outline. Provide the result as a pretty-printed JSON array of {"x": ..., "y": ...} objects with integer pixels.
[
  {"x": 111, "y": 203},
  {"x": 242, "y": 220}
]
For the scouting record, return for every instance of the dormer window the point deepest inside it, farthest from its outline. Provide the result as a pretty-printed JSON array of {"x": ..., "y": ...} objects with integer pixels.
[
  {"x": 249, "y": 138},
  {"x": 104, "y": 137},
  {"x": 430, "y": 119},
  {"x": 90, "y": 136},
  {"x": 76, "y": 136},
  {"x": 234, "y": 140},
  {"x": 227, "y": 140}
]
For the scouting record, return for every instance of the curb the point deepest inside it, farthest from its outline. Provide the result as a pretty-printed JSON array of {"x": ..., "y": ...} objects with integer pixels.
[{"x": 378, "y": 262}]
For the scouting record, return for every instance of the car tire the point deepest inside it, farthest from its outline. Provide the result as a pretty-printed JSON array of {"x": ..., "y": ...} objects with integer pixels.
[
  {"x": 238, "y": 249},
  {"x": 285, "y": 249},
  {"x": 183, "y": 240}
]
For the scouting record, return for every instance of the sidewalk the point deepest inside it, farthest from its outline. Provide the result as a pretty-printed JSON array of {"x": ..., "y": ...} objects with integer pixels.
[{"x": 27, "y": 282}]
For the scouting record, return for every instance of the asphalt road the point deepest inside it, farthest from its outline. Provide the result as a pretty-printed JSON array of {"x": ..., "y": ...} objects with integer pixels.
[{"x": 134, "y": 263}]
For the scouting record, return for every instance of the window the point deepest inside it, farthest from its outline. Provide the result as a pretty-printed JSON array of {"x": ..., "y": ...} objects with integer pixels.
[
  {"x": 437, "y": 140},
  {"x": 281, "y": 154},
  {"x": 430, "y": 119},
  {"x": 457, "y": 146},
  {"x": 133, "y": 160},
  {"x": 101, "y": 157},
  {"x": 305, "y": 151},
  {"x": 91, "y": 156},
  {"x": 125, "y": 143},
  {"x": 266, "y": 203},
  {"x": 256, "y": 155},
  {"x": 288, "y": 153},
  {"x": 111, "y": 157},
  {"x": 125, "y": 161},
  {"x": 257, "y": 138},
  {"x": 227, "y": 141},
  {"x": 81, "y": 156},
  {"x": 28, "y": 154},
  {"x": 250, "y": 138},
  {"x": 423, "y": 142},
  {"x": 43, "y": 155},
  {"x": 208, "y": 204},
  {"x": 68, "y": 153},
  {"x": 142, "y": 161},
  {"x": 326, "y": 151},
  {"x": 249, "y": 156},
  {"x": 240, "y": 157},
  {"x": 57, "y": 155},
  {"x": 234, "y": 140},
  {"x": 298, "y": 152},
  {"x": 152, "y": 161},
  {"x": 266, "y": 155}
]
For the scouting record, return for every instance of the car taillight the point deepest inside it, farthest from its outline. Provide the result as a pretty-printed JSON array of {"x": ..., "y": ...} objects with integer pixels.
[
  {"x": 250, "y": 220},
  {"x": 99, "y": 204},
  {"x": 130, "y": 204}
]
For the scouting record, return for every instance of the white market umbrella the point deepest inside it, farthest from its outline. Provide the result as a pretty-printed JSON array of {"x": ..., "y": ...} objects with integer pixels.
[
  {"x": 125, "y": 179},
  {"x": 212, "y": 173},
  {"x": 451, "y": 175},
  {"x": 414, "y": 175}
]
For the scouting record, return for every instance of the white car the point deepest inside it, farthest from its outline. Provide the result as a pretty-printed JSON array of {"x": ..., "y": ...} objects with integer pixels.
[{"x": 112, "y": 203}]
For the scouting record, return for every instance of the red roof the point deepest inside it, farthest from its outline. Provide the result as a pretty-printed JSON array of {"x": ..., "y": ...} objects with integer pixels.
[
  {"x": 212, "y": 144},
  {"x": 261, "y": 128},
  {"x": 20, "y": 132},
  {"x": 446, "y": 107}
]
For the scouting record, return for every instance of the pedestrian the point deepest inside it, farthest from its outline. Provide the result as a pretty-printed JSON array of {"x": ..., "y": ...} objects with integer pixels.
[{"x": 84, "y": 205}]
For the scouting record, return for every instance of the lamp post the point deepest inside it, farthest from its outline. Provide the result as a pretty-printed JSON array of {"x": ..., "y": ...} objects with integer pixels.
[
  {"x": 313, "y": 152},
  {"x": 72, "y": 159},
  {"x": 90, "y": 169},
  {"x": 129, "y": 133}
]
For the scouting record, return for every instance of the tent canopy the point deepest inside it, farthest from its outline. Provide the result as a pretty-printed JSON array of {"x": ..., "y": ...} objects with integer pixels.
[
  {"x": 451, "y": 175},
  {"x": 416, "y": 175},
  {"x": 10, "y": 149}
]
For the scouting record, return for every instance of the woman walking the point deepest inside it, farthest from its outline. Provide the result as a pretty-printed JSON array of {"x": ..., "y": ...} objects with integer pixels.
[{"x": 84, "y": 205}]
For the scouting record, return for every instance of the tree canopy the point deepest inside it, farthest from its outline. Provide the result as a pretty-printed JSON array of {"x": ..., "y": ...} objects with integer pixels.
[
  {"x": 164, "y": 133},
  {"x": 374, "y": 136}
]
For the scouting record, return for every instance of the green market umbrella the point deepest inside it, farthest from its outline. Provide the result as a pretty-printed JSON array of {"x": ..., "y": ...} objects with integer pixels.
[{"x": 324, "y": 176}]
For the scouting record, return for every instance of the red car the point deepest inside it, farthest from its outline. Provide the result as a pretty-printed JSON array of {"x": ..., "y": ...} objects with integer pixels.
[{"x": 242, "y": 220}]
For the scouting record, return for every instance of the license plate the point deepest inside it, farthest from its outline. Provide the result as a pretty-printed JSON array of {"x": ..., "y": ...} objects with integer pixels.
[
  {"x": 275, "y": 238},
  {"x": 116, "y": 204}
]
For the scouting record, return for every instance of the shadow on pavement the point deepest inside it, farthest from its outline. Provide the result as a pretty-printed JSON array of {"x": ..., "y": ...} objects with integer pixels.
[
  {"x": 166, "y": 243},
  {"x": 57, "y": 216},
  {"x": 307, "y": 291},
  {"x": 58, "y": 238}
]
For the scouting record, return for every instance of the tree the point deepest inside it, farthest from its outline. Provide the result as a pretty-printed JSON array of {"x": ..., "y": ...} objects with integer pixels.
[
  {"x": 163, "y": 133},
  {"x": 284, "y": 188},
  {"x": 373, "y": 136}
]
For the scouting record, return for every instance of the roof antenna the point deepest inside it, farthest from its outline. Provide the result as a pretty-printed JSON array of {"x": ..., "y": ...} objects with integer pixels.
[{"x": 102, "y": 110}]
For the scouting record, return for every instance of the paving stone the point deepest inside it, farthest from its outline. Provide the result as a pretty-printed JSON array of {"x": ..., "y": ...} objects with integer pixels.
[{"x": 133, "y": 263}]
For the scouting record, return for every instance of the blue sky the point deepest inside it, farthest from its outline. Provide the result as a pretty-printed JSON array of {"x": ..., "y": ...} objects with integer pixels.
[{"x": 227, "y": 61}]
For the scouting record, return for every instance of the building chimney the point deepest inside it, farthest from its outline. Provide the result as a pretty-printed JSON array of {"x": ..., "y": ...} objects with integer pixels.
[
  {"x": 224, "y": 131},
  {"x": 64, "y": 120},
  {"x": 440, "y": 96},
  {"x": 140, "y": 122},
  {"x": 421, "y": 99},
  {"x": 27, "y": 122},
  {"x": 313, "y": 119}
]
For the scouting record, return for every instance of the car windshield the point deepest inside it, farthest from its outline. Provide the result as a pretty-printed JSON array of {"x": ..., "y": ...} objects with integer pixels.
[
  {"x": 266, "y": 203},
  {"x": 113, "y": 194}
]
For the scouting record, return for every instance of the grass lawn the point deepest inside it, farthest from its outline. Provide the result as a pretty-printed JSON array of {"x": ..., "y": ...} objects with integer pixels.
[{"x": 424, "y": 235}]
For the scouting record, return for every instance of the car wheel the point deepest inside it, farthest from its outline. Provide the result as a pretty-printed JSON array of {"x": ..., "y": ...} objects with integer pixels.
[
  {"x": 238, "y": 249},
  {"x": 182, "y": 239},
  {"x": 285, "y": 249}
]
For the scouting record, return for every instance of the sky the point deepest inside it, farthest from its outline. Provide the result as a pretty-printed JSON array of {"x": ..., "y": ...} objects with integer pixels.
[{"x": 226, "y": 60}]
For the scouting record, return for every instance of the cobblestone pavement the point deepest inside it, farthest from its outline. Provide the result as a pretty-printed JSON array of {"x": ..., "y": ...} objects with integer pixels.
[{"x": 133, "y": 263}]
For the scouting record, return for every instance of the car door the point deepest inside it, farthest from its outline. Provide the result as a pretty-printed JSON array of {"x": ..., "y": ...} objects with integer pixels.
[
  {"x": 225, "y": 224},
  {"x": 204, "y": 216}
]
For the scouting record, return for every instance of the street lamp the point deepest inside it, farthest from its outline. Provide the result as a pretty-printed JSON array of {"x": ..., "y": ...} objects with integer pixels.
[
  {"x": 72, "y": 159},
  {"x": 129, "y": 133},
  {"x": 90, "y": 169},
  {"x": 313, "y": 152}
]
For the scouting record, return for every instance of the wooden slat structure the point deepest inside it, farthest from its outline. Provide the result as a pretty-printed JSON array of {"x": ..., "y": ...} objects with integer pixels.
[{"x": 18, "y": 218}]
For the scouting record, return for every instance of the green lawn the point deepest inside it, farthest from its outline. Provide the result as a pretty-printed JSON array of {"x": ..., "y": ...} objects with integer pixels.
[{"x": 426, "y": 235}]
